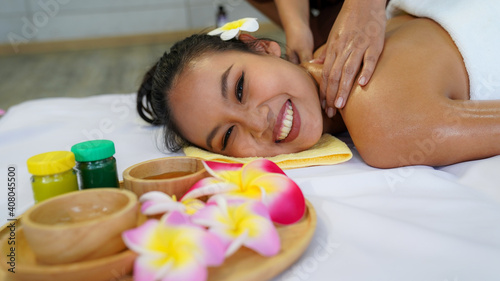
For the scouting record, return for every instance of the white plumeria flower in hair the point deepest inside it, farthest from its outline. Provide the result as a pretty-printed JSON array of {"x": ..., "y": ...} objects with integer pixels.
[{"x": 232, "y": 29}]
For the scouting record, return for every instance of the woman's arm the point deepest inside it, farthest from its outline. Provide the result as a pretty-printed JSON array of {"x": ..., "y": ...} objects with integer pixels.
[{"x": 432, "y": 132}]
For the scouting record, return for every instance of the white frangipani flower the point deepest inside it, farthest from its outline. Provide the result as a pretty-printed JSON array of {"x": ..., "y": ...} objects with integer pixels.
[{"x": 232, "y": 29}]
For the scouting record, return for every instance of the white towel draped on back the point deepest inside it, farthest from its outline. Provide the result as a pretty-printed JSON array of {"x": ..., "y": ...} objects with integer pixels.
[{"x": 475, "y": 28}]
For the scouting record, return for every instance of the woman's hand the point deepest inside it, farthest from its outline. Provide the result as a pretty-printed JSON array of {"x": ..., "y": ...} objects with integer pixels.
[{"x": 356, "y": 38}]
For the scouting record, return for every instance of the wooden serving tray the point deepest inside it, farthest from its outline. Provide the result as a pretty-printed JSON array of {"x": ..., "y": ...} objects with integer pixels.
[
  {"x": 28, "y": 269},
  {"x": 243, "y": 265},
  {"x": 246, "y": 264}
]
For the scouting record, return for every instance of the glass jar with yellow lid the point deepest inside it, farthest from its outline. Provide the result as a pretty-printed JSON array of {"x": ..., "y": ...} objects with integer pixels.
[{"x": 52, "y": 174}]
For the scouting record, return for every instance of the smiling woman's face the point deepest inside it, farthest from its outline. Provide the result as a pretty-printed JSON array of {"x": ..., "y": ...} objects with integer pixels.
[{"x": 242, "y": 104}]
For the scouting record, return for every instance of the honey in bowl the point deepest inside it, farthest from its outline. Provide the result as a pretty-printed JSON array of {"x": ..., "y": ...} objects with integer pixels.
[{"x": 168, "y": 175}]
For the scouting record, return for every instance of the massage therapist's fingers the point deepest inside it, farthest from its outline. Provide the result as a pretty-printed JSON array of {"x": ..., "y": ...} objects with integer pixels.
[
  {"x": 299, "y": 42},
  {"x": 305, "y": 56},
  {"x": 370, "y": 60},
  {"x": 292, "y": 56},
  {"x": 333, "y": 78},
  {"x": 299, "y": 56},
  {"x": 328, "y": 62},
  {"x": 357, "y": 37},
  {"x": 349, "y": 71}
]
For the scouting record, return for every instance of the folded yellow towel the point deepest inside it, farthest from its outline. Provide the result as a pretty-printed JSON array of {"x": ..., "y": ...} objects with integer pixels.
[{"x": 329, "y": 150}]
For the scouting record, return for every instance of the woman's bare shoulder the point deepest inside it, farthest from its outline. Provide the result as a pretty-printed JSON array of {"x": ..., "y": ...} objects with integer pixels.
[
  {"x": 419, "y": 61},
  {"x": 420, "y": 50},
  {"x": 419, "y": 68},
  {"x": 396, "y": 22}
]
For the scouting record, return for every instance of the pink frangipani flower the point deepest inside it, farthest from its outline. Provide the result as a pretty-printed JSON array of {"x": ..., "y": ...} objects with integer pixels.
[
  {"x": 173, "y": 249},
  {"x": 240, "y": 222},
  {"x": 156, "y": 202},
  {"x": 260, "y": 179}
]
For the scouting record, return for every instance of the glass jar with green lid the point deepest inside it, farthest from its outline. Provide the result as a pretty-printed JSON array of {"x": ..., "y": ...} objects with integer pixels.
[
  {"x": 96, "y": 166},
  {"x": 52, "y": 174}
]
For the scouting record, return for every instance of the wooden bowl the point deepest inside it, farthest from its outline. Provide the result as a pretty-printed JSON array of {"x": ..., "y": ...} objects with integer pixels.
[
  {"x": 80, "y": 225},
  {"x": 171, "y": 175},
  {"x": 27, "y": 268}
]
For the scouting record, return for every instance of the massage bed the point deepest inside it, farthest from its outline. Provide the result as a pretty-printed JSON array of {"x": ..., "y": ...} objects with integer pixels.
[
  {"x": 417, "y": 223},
  {"x": 410, "y": 223}
]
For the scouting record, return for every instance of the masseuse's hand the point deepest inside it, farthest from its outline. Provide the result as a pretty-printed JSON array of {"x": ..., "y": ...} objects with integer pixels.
[
  {"x": 356, "y": 38},
  {"x": 299, "y": 43},
  {"x": 294, "y": 15}
]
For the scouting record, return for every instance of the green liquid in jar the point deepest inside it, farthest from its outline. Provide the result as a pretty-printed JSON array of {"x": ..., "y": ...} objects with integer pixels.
[{"x": 100, "y": 173}]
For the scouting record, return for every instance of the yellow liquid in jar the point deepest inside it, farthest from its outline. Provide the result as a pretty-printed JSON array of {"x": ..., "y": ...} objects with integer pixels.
[{"x": 45, "y": 187}]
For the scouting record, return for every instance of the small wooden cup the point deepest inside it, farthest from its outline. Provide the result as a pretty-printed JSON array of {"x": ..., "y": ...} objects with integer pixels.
[
  {"x": 182, "y": 172},
  {"x": 80, "y": 225}
]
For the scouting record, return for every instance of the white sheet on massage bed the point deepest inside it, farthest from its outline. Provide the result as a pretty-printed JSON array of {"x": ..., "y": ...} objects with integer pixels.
[{"x": 413, "y": 223}]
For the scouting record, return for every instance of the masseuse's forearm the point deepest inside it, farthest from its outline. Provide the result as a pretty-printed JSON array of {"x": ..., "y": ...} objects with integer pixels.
[
  {"x": 293, "y": 12},
  {"x": 380, "y": 3}
]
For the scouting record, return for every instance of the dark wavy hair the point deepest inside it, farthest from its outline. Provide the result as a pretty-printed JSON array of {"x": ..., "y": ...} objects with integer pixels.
[{"x": 153, "y": 103}]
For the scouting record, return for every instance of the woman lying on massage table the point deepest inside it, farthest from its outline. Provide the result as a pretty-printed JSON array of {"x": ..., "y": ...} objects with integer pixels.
[{"x": 239, "y": 98}]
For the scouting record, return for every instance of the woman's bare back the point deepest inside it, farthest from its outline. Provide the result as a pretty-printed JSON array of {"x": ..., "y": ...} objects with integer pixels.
[{"x": 416, "y": 108}]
